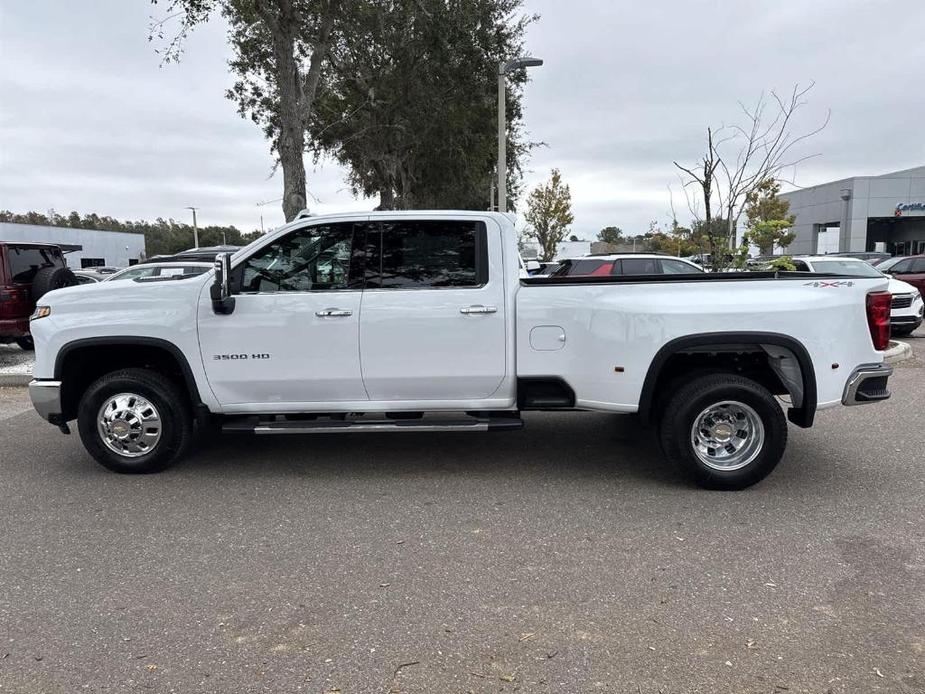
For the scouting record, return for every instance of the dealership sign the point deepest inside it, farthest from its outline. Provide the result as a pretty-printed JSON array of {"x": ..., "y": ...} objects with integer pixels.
[{"x": 909, "y": 207}]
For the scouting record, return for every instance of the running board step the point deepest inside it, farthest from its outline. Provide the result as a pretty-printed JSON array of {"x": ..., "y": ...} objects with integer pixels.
[{"x": 253, "y": 425}]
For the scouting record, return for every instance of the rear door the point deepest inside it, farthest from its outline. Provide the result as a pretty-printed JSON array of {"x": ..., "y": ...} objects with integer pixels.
[{"x": 433, "y": 316}]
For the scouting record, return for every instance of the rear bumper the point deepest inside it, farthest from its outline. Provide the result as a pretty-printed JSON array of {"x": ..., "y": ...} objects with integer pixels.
[
  {"x": 46, "y": 399},
  {"x": 867, "y": 384}
]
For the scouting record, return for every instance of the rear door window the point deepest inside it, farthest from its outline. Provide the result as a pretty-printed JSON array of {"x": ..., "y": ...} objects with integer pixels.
[
  {"x": 422, "y": 254},
  {"x": 25, "y": 262},
  {"x": 918, "y": 265},
  {"x": 638, "y": 266}
]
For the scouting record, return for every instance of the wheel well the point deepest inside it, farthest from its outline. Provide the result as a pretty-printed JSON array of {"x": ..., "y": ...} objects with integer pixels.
[
  {"x": 776, "y": 362},
  {"x": 80, "y": 365}
]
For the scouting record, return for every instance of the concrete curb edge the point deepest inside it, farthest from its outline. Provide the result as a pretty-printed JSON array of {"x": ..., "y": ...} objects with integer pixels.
[
  {"x": 14, "y": 380},
  {"x": 898, "y": 351}
]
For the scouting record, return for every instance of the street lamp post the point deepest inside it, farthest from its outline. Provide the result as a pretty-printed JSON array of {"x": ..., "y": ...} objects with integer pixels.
[
  {"x": 504, "y": 69},
  {"x": 195, "y": 228}
]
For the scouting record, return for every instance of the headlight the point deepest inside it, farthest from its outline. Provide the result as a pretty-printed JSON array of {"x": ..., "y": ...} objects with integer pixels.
[{"x": 40, "y": 312}]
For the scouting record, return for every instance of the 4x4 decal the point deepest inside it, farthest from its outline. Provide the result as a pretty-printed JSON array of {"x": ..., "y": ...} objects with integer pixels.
[{"x": 829, "y": 283}]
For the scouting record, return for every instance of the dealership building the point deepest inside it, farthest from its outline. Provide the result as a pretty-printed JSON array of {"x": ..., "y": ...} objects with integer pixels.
[
  {"x": 82, "y": 248},
  {"x": 864, "y": 213}
]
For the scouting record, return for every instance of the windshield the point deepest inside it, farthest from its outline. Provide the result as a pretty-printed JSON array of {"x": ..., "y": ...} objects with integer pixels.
[
  {"x": 888, "y": 263},
  {"x": 858, "y": 268}
]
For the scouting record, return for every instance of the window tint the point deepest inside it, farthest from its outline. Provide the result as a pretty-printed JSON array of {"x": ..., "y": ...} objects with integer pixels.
[
  {"x": 638, "y": 266},
  {"x": 579, "y": 267},
  {"x": 25, "y": 262},
  {"x": 800, "y": 266},
  {"x": 918, "y": 265},
  {"x": 428, "y": 253},
  {"x": 310, "y": 259},
  {"x": 676, "y": 267}
]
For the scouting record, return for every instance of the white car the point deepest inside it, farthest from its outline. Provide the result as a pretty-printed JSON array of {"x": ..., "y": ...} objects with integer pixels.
[
  {"x": 907, "y": 307},
  {"x": 419, "y": 322},
  {"x": 158, "y": 270}
]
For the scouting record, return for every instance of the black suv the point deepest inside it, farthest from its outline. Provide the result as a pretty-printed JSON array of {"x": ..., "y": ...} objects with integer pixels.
[{"x": 28, "y": 271}]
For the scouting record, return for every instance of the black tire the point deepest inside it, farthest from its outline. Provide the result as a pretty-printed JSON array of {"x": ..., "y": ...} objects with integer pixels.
[
  {"x": 904, "y": 331},
  {"x": 694, "y": 397},
  {"x": 26, "y": 343},
  {"x": 51, "y": 278},
  {"x": 166, "y": 397}
]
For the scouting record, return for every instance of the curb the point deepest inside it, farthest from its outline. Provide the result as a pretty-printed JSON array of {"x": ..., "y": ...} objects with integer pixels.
[
  {"x": 14, "y": 380},
  {"x": 898, "y": 351}
]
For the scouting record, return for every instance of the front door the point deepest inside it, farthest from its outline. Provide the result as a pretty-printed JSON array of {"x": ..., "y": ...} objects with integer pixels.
[
  {"x": 433, "y": 317},
  {"x": 911, "y": 270},
  {"x": 293, "y": 335}
]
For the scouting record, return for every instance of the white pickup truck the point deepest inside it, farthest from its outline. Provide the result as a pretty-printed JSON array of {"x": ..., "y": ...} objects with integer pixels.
[{"x": 420, "y": 321}]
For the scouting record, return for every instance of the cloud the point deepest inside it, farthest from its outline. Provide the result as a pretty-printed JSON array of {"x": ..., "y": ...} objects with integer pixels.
[{"x": 90, "y": 121}]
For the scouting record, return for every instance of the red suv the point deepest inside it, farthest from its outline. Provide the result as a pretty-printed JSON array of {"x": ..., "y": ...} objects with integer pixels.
[
  {"x": 27, "y": 272},
  {"x": 911, "y": 270}
]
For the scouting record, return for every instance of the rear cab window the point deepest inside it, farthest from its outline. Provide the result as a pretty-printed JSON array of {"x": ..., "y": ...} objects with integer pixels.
[{"x": 25, "y": 261}]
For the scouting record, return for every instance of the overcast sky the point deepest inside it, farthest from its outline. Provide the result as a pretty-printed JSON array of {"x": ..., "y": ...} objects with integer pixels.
[{"x": 90, "y": 121}]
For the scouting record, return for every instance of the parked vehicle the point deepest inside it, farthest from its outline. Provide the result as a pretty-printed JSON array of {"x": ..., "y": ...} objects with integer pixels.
[
  {"x": 155, "y": 270},
  {"x": 87, "y": 277},
  {"x": 906, "y": 304},
  {"x": 28, "y": 271},
  {"x": 205, "y": 254},
  {"x": 911, "y": 270},
  {"x": 884, "y": 264},
  {"x": 620, "y": 264},
  {"x": 391, "y": 321},
  {"x": 869, "y": 256}
]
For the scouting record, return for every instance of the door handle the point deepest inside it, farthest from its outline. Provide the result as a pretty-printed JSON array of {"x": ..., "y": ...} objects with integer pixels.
[
  {"x": 333, "y": 313},
  {"x": 478, "y": 309}
]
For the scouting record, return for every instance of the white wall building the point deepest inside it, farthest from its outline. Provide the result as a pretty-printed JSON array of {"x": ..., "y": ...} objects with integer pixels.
[
  {"x": 114, "y": 248},
  {"x": 864, "y": 213}
]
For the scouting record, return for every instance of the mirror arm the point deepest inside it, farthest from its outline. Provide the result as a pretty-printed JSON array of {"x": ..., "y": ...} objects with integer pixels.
[{"x": 220, "y": 291}]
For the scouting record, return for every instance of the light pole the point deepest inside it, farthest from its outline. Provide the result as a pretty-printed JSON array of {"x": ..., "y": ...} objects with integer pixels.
[
  {"x": 195, "y": 228},
  {"x": 504, "y": 69}
]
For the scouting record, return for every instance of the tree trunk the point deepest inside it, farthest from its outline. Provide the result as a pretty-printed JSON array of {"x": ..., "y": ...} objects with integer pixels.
[
  {"x": 386, "y": 199},
  {"x": 290, "y": 143},
  {"x": 296, "y": 95}
]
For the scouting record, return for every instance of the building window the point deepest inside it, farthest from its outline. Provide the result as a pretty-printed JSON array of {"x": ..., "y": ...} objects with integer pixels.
[{"x": 92, "y": 262}]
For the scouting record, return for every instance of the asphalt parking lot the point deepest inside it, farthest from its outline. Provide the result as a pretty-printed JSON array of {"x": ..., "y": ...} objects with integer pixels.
[{"x": 562, "y": 558}]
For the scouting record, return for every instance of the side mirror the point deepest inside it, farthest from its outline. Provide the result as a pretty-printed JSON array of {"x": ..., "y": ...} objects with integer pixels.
[
  {"x": 220, "y": 291},
  {"x": 533, "y": 265}
]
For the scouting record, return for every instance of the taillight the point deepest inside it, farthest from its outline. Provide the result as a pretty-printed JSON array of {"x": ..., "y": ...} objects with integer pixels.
[
  {"x": 14, "y": 302},
  {"x": 878, "y": 319}
]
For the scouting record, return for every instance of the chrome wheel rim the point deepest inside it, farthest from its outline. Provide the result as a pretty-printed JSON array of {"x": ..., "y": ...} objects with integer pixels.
[
  {"x": 129, "y": 425},
  {"x": 727, "y": 435}
]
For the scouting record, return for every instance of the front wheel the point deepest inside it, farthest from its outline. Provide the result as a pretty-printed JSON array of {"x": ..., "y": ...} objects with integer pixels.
[
  {"x": 724, "y": 431},
  {"x": 135, "y": 421}
]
